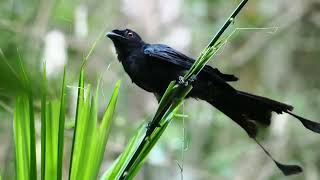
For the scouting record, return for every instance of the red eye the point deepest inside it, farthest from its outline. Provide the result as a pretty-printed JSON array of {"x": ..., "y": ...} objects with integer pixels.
[{"x": 130, "y": 34}]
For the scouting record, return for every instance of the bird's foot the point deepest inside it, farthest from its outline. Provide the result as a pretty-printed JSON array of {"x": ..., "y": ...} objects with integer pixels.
[
  {"x": 150, "y": 127},
  {"x": 183, "y": 82},
  {"x": 193, "y": 78}
]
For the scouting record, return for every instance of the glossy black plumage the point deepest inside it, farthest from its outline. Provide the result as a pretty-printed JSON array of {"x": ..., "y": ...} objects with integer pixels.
[{"x": 153, "y": 66}]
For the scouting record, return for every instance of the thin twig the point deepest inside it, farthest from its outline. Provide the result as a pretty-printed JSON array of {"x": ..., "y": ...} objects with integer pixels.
[
  {"x": 227, "y": 23},
  {"x": 183, "y": 143},
  {"x": 254, "y": 44}
]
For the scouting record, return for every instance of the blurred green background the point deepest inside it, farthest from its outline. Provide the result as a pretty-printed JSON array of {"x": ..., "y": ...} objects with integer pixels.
[{"x": 280, "y": 60}]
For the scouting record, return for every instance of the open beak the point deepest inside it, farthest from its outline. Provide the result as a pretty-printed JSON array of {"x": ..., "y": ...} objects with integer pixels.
[{"x": 115, "y": 34}]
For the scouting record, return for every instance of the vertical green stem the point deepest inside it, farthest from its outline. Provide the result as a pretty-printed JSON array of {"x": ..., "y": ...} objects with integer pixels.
[
  {"x": 33, "y": 158},
  {"x": 79, "y": 102},
  {"x": 43, "y": 124},
  {"x": 61, "y": 127}
]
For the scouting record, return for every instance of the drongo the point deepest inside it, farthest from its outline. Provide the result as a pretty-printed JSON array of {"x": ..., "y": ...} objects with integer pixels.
[{"x": 153, "y": 66}]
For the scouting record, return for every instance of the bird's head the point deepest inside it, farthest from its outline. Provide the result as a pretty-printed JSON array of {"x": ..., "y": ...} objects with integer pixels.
[{"x": 125, "y": 40}]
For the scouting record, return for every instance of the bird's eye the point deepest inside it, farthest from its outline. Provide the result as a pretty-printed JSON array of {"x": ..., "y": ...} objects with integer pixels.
[{"x": 130, "y": 34}]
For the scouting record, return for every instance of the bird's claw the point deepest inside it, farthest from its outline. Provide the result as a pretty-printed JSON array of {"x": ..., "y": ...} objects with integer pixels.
[
  {"x": 232, "y": 20},
  {"x": 182, "y": 81},
  {"x": 150, "y": 125},
  {"x": 193, "y": 78}
]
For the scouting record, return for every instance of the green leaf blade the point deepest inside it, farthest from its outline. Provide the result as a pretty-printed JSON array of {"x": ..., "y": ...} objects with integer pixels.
[{"x": 61, "y": 127}]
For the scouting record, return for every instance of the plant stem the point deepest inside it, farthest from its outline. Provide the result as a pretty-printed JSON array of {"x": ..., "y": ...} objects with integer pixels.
[{"x": 227, "y": 23}]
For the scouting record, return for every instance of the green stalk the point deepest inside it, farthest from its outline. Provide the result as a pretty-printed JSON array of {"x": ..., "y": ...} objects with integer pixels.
[
  {"x": 43, "y": 122},
  {"x": 214, "y": 45},
  {"x": 80, "y": 101},
  {"x": 61, "y": 126},
  {"x": 33, "y": 158},
  {"x": 227, "y": 23},
  {"x": 20, "y": 139},
  {"x": 91, "y": 135}
]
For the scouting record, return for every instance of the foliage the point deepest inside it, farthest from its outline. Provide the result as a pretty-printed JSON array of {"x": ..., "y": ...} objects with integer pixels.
[{"x": 90, "y": 134}]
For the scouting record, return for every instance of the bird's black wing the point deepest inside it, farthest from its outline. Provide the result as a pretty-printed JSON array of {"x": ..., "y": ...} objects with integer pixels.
[{"x": 168, "y": 54}]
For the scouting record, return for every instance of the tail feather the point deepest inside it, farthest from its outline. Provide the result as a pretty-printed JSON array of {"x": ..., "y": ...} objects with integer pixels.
[
  {"x": 311, "y": 125},
  {"x": 286, "y": 169},
  {"x": 278, "y": 107},
  {"x": 248, "y": 109},
  {"x": 273, "y": 105}
]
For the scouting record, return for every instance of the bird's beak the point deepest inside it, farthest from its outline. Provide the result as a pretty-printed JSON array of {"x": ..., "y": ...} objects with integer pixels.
[{"x": 115, "y": 34}]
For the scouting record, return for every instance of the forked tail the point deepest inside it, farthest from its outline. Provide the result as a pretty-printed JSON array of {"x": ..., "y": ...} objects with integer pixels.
[{"x": 248, "y": 110}]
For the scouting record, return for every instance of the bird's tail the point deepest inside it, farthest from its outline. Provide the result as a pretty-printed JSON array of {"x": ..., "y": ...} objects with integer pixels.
[{"x": 248, "y": 110}]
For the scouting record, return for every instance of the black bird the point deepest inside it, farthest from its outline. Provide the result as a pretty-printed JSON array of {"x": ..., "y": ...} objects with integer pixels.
[{"x": 153, "y": 66}]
